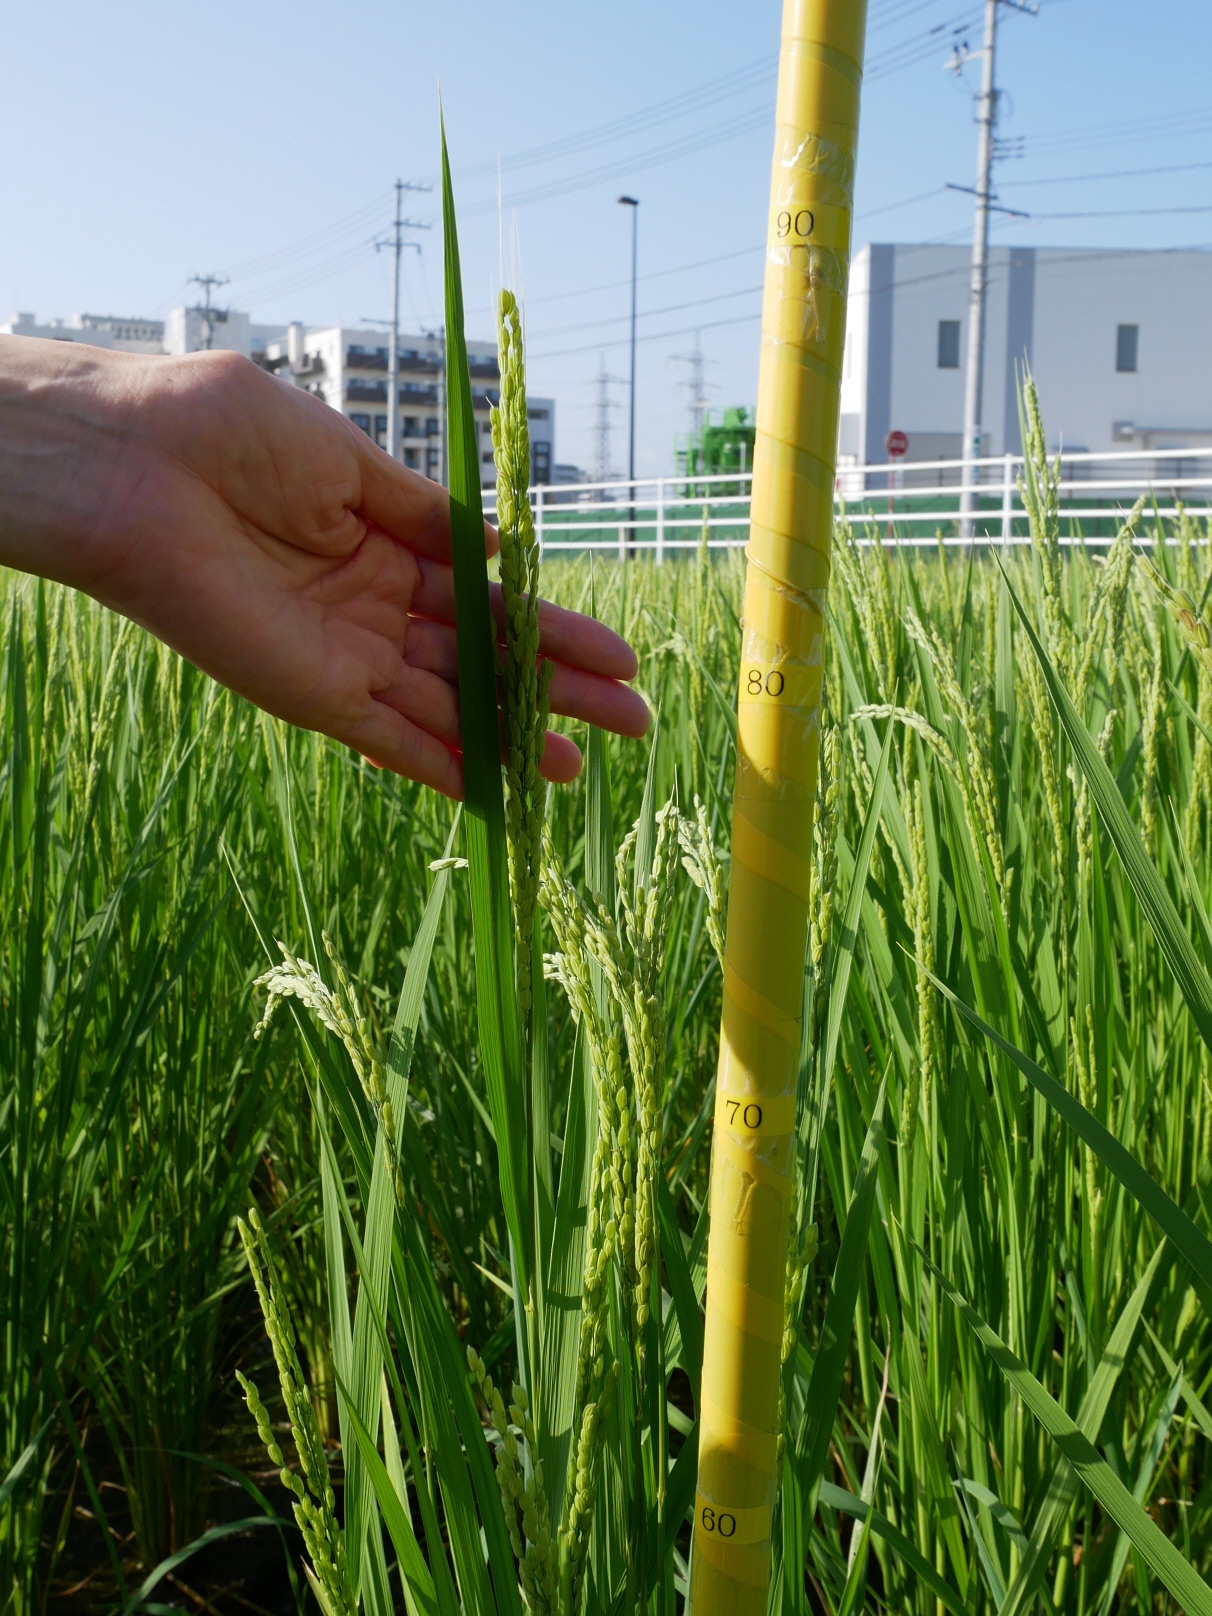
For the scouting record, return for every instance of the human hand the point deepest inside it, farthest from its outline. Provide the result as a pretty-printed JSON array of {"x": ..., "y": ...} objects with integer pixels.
[{"x": 264, "y": 537}]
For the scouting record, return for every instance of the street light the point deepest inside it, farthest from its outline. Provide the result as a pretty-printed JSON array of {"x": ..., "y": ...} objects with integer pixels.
[{"x": 634, "y": 204}]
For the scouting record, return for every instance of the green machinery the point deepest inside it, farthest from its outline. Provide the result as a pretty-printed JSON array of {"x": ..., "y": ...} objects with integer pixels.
[{"x": 722, "y": 446}]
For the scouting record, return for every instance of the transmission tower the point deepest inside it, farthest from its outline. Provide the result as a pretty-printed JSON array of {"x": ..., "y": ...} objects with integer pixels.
[
  {"x": 696, "y": 384},
  {"x": 603, "y": 470},
  {"x": 211, "y": 316}
]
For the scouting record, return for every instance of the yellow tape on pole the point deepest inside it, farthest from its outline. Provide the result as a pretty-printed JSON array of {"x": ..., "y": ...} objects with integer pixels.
[{"x": 794, "y": 467}]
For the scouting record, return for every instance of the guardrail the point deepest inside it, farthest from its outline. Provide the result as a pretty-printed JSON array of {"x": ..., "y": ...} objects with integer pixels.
[{"x": 917, "y": 502}]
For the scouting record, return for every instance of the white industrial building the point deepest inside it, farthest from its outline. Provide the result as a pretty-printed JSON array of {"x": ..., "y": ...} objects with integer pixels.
[
  {"x": 97, "y": 330},
  {"x": 345, "y": 366},
  {"x": 1119, "y": 343}
]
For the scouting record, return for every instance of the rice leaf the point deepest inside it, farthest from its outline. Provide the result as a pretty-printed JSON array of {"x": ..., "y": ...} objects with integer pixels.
[
  {"x": 1151, "y": 892},
  {"x": 848, "y": 938},
  {"x": 1170, "y": 1218},
  {"x": 824, "y": 1388},
  {"x": 420, "y": 1596},
  {"x": 847, "y": 1503},
  {"x": 686, "y": 1305},
  {"x": 412, "y": 993},
  {"x": 215, "y": 1534},
  {"x": 1062, "y": 1487},
  {"x": 1175, "y": 1573},
  {"x": 1145, "y": 1476},
  {"x": 487, "y": 852}
]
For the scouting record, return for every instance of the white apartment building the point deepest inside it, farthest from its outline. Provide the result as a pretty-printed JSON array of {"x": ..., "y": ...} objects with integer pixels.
[
  {"x": 348, "y": 368},
  {"x": 345, "y": 366},
  {"x": 1119, "y": 343}
]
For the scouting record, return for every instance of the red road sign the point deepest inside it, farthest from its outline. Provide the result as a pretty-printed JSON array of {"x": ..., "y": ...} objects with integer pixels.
[{"x": 897, "y": 444}]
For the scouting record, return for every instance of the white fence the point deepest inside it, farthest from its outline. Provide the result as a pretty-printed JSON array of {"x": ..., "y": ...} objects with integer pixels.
[{"x": 913, "y": 501}]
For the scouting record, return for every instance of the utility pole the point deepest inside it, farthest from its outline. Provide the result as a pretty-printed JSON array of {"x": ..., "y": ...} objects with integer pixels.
[
  {"x": 632, "y": 203},
  {"x": 397, "y": 244},
  {"x": 987, "y": 151},
  {"x": 210, "y": 315}
]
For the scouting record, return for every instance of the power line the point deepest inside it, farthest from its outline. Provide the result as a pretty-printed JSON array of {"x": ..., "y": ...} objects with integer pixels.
[
  {"x": 1137, "y": 213},
  {"x": 649, "y": 275},
  {"x": 882, "y": 17},
  {"x": 1156, "y": 127},
  {"x": 1112, "y": 174},
  {"x": 652, "y": 336},
  {"x": 652, "y": 157},
  {"x": 647, "y": 314},
  {"x": 361, "y": 218},
  {"x": 706, "y": 95},
  {"x": 918, "y": 47}
]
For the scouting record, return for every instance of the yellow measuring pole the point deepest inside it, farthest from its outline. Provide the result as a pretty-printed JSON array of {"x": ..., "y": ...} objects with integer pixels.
[{"x": 794, "y": 466}]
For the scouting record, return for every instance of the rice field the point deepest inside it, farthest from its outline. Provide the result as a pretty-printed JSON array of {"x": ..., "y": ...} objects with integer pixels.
[{"x": 997, "y": 1354}]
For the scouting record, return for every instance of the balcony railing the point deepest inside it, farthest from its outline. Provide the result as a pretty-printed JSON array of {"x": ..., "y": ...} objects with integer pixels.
[
  {"x": 916, "y": 503},
  {"x": 418, "y": 364}
]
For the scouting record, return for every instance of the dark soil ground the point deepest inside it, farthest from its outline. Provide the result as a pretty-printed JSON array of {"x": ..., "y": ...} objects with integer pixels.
[{"x": 244, "y": 1571}]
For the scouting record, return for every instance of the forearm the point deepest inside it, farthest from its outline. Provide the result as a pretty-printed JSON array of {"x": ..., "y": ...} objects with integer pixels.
[{"x": 65, "y": 456}]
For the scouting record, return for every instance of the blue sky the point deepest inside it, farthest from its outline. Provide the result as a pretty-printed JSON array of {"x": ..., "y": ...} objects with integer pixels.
[{"x": 148, "y": 142}]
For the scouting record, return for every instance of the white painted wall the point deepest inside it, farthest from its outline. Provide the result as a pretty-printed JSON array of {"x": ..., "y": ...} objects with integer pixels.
[
  {"x": 1081, "y": 297},
  {"x": 854, "y": 361},
  {"x": 1057, "y": 307}
]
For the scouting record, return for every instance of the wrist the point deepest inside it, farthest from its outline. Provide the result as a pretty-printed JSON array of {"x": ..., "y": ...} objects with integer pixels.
[{"x": 66, "y": 451}]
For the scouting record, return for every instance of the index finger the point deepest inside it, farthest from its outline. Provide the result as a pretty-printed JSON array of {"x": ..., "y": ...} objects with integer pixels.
[
  {"x": 564, "y": 635},
  {"x": 410, "y": 508}
]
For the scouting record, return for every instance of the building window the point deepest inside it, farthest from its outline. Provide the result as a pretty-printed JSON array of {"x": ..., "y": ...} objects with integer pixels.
[
  {"x": 537, "y": 415},
  {"x": 948, "y": 344},
  {"x": 362, "y": 421},
  {"x": 411, "y": 458},
  {"x": 381, "y": 431},
  {"x": 431, "y": 459},
  {"x": 1125, "y": 346},
  {"x": 431, "y": 426},
  {"x": 540, "y": 461}
]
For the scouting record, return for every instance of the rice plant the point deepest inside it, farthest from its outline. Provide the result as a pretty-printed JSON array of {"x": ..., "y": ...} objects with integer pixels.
[
  {"x": 996, "y": 1354},
  {"x": 1007, "y": 1364}
]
